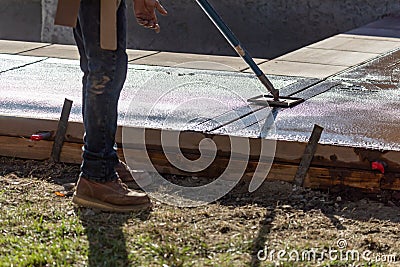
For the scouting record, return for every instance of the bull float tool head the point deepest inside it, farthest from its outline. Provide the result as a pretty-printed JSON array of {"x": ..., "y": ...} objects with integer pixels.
[{"x": 273, "y": 101}]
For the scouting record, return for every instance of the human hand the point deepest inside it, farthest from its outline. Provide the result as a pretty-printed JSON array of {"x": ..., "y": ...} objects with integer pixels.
[{"x": 145, "y": 13}]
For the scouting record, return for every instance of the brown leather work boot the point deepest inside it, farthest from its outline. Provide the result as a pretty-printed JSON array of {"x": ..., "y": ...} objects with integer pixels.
[
  {"x": 126, "y": 175},
  {"x": 111, "y": 196}
]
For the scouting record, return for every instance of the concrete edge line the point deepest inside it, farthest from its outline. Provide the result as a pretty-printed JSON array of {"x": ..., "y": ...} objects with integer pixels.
[{"x": 32, "y": 49}]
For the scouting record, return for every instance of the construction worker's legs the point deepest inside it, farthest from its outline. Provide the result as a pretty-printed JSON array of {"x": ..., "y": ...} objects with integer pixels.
[{"x": 104, "y": 76}]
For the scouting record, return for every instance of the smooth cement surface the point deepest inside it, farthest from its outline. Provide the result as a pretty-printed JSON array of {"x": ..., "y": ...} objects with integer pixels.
[{"x": 359, "y": 107}]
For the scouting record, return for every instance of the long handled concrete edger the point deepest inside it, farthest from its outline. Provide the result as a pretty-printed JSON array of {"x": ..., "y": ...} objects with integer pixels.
[{"x": 273, "y": 101}]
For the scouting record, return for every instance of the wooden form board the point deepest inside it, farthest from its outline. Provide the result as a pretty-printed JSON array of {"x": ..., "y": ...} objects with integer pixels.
[
  {"x": 317, "y": 177},
  {"x": 332, "y": 165},
  {"x": 286, "y": 151}
]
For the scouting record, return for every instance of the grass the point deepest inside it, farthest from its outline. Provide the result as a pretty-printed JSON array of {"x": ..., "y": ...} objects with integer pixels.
[
  {"x": 35, "y": 235},
  {"x": 42, "y": 229},
  {"x": 38, "y": 228}
]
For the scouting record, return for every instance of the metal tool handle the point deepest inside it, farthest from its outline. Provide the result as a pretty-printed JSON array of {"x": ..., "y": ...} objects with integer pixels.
[{"x": 235, "y": 43}]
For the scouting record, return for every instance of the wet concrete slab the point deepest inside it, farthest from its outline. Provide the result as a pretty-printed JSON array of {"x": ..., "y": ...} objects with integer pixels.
[
  {"x": 382, "y": 73},
  {"x": 9, "y": 62},
  {"x": 38, "y": 90},
  {"x": 350, "y": 117},
  {"x": 357, "y": 108},
  {"x": 159, "y": 97}
]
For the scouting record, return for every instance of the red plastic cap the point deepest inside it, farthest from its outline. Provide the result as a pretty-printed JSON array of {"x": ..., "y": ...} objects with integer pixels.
[
  {"x": 36, "y": 137},
  {"x": 40, "y": 136},
  {"x": 379, "y": 166}
]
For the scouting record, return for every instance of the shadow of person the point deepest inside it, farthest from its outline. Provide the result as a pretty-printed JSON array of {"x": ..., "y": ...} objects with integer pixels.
[
  {"x": 280, "y": 198},
  {"x": 105, "y": 234}
]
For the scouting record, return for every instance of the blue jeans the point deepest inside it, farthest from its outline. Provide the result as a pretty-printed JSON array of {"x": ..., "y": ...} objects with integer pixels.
[{"x": 104, "y": 76}]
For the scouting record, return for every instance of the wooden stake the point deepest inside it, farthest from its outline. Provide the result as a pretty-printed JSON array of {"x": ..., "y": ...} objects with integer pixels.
[
  {"x": 61, "y": 130},
  {"x": 308, "y": 155}
]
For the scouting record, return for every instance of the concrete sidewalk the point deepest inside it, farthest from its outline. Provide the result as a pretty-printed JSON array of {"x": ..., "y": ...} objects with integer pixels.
[{"x": 319, "y": 60}]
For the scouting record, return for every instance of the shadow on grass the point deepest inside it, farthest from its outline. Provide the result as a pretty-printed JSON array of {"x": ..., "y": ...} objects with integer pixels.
[
  {"x": 107, "y": 242},
  {"x": 279, "y": 198}
]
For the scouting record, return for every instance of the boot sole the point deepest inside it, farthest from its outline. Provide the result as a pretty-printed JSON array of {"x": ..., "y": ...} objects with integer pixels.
[{"x": 104, "y": 206}]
